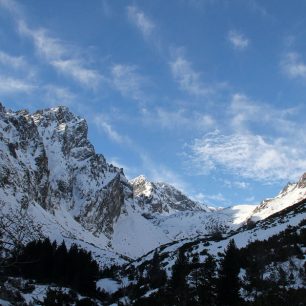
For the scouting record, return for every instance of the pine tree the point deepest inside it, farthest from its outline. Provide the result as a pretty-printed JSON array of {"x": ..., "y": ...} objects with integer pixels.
[
  {"x": 157, "y": 276},
  {"x": 60, "y": 264},
  {"x": 208, "y": 282},
  {"x": 178, "y": 281},
  {"x": 228, "y": 284}
]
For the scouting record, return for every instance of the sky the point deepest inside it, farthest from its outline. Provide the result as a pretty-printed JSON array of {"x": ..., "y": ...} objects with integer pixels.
[{"x": 206, "y": 95}]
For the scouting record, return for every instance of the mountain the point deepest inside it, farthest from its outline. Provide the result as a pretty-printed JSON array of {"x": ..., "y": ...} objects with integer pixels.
[
  {"x": 49, "y": 168},
  {"x": 290, "y": 194},
  {"x": 53, "y": 184},
  {"x": 161, "y": 199}
]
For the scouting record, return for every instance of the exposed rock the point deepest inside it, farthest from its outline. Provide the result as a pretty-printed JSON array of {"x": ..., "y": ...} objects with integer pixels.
[
  {"x": 47, "y": 158},
  {"x": 161, "y": 198},
  {"x": 302, "y": 181}
]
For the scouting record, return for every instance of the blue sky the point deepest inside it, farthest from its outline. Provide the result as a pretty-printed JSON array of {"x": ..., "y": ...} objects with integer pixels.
[{"x": 206, "y": 95}]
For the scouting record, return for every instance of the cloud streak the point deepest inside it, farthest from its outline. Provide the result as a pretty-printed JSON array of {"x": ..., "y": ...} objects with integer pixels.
[
  {"x": 127, "y": 80},
  {"x": 16, "y": 62},
  {"x": 102, "y": 122},
  {"x": 54, "y": 51},
  {"x": 293, "y": 66},
  {"x": 238, "y": 40},
  {"x": 10, "y": 85},
  {"x": 143, "y": 23},
  {"x": 249, "y": 155},
  {"x": 187, "y": 78}
]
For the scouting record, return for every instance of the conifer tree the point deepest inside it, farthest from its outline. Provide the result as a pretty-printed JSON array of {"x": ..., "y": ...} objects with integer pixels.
[
  {"x": 208, "y": 282},
  {"x": 228, "y": 284},
  {"x": 178, "y": 281},
  {"x": 157, "y": 276}
]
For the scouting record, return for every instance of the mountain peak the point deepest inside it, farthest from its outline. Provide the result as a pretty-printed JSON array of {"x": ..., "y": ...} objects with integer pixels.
[
  {"x": 139, "y": 179},
  {"x": 2, "y": 108},
  {"x": 302, "y": 181},
  {"x": 155, "y": 198},
  {"x": 142, "y": 186}
]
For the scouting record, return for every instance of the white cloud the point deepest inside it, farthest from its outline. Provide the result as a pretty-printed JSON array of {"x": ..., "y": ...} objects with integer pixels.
[
  {"x": 177, "y": 119},
  {"x": 48, "y": 47},
  {"x": 13, "y": 85},
  {"x": 236, "y": 184},
  {"x": 74, "y": 68},
  {"x": 102, "y": 122},
  {"x": 244, "y": 112},
  {"x": 57, "y": 95},
  {"x": 210, "y": 199},
  {"x": 293, "y": 66},
  {"x": 15, "y": 62},
  {"x": 238, "y": 40},
  {"x": 249, "y": 155},
  {"x": 141, "y": 21},
  {"x": 128, "y": 81},
  {"x": 11, "y": 6},
  {"x": 187, "y": 78},
  {"x": 60, "y": 55}
]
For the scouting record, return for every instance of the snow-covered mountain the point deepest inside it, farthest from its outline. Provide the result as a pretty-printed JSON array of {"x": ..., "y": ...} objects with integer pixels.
[
  {"x": 291, "y": 193},
  {"x": 157, "y": 199},
  {"x": 49, "y": 168}
]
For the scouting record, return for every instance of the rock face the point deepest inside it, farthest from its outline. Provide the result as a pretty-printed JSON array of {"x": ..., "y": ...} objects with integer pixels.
[
  {"x": 46, "y": 158},
  {"x": 161, "y": 198},
  {"x": 302, "y": 181}
]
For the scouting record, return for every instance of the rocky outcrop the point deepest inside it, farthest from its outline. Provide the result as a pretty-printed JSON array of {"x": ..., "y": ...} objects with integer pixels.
[
  {"x": 302, "y": 181},
  {"x": 161, "y": 198},
  {"x": 46, "y": 158}
]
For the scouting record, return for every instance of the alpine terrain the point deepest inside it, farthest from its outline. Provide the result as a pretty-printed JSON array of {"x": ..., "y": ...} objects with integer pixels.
[{"x": 75, "y": 231}]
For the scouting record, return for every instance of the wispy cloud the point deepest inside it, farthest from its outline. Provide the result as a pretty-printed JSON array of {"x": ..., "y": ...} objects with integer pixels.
[
  {"x": 188, "y": 79},
  {"x": 293, "y": 66},
  {"x": 16, "y": 62},
  {"x": 236, "y": 184},
  {"x": 14, "y": 85},
  {"x": 154, "y": 171},
  {"x": 57, "y": 95},
  {"x": 74, "y": 68},
  {"x": 249, "y": 155},
  {"x": 210, "y": 199},
  {"x": 102, "y": 122},
  {"x": 238, "y": 40},
  {"x": 59, "y": 54},
  {"x": 129, "y": 82},
  {"x": 11, "y": 6},
  {"x": 244, "y": 112},
  {"x": 177, "y": 119},
  {"x": 144, "y": 24}
]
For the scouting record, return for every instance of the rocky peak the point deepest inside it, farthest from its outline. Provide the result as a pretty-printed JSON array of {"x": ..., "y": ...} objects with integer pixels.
[
  {"x": 142, "y": 186},
  {"x": 2, "y": 108},
  {"x": 302, "y": 181},
  {"x": 60, "y": 114},
  {"x": 160, "y": 198},
  {"x": 55, "y": 166}
]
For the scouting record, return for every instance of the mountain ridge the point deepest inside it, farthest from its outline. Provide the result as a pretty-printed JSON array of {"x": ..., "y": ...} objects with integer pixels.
[{"x": 49, "y": 168}]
